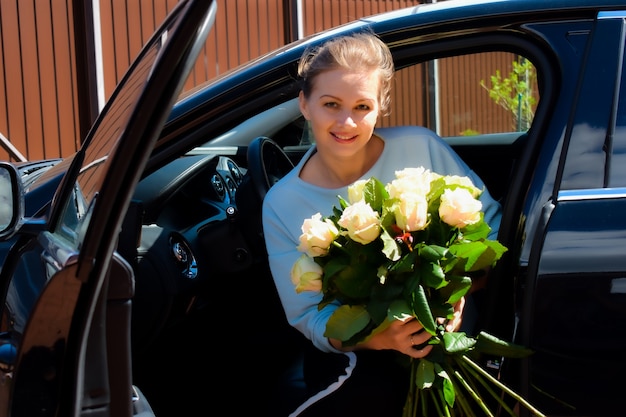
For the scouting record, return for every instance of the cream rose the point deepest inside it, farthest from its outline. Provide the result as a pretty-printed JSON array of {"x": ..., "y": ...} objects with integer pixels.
[
  {"x": 412, "y": 212},
  {"x": 355, "y": 191},
  {"x": 306, "y": 274},
  {"x": 465, "y": 182},
  {"x": 361, "y": 222},
  {"x": 317, "y": 235},
  {"x": 459, "y": 208},
  {"x": 410, "y": 180}
]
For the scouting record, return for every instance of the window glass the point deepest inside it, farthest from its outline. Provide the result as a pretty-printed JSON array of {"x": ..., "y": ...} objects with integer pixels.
[
  {"x": 465, "y": 95},
  {"x": 617, "y": 166}
]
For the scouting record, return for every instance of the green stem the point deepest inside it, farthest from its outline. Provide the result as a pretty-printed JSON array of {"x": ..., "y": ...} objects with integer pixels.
[
  {"x": 440, "y": 403},
  {"x": 503, "y": 387},
  {"x": 470, "y": 372},
  {"x": 460, "y": 400},
  {"x": 552, "y": 397},
  {"x": 473, "y": 393},
  {"x": 410, "y": 409}
]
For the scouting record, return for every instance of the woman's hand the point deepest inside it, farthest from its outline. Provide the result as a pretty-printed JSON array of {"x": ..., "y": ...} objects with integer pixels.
[
  {"x": 455, "y": 323},
  {"x": 406, "y": 336}
]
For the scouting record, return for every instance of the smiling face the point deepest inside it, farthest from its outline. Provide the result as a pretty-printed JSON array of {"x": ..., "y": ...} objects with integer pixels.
[{"x": 343, "y": 108}]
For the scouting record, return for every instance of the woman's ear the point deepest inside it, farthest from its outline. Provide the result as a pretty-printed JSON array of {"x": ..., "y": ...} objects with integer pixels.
[{"x": 303, "y": 105}]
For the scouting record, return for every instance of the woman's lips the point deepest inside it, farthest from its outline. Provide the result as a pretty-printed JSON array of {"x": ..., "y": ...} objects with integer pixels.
[{"x": 344, "y": 138}]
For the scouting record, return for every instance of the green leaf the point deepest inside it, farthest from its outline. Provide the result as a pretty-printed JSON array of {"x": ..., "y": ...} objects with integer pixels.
[
  {"x": 346, "y": 321},
  {"x": 399, "y": 310},
  {"x": 421, "y": 308},
  {"x": 456, "y": 342},
  {"x": 375, "y": 193},
  {"x": 447, "y": 385},
  {"x": 432, "y": 275},
  {"x": 476, "y": 231},
  {"x": 425, "y": 375},
  {"x": 355, "y": 281},
  {"x": 404, "y": 264},
  {"x": 489, "y": 344},
  {"x": 474, "y": 256},
  {"x": 380, "y": 328},
  {"x": 390, "y": 248},
  {"x": 378, "y": 309},
  {"x": 432, "y": 253},
  {"x": 458, "y": 286},
  {"x": 334, "y": 266}
]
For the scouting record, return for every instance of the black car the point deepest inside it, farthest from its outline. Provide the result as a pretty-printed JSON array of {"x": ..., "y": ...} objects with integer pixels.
[{"x": 134, "y": 274}]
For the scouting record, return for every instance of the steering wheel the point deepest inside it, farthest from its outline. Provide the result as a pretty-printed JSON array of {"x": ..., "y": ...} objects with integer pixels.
[{"x": 267, "y": 163}]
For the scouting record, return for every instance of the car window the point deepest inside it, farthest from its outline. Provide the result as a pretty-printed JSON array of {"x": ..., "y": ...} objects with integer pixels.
[
  {"x": 595, "y": 143},
  {"x": 484, "y": 95},
  {"x": 617, "y": 167},
  {"x": 467, "y": 95}
]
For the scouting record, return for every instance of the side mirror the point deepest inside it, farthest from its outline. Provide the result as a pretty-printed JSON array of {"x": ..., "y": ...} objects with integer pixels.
[{"x": 11, "y": 200}]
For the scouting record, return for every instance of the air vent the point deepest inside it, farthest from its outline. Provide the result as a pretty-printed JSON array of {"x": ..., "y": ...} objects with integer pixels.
[
  {"x": 232, "y": 187},
  {"x": 185, "y": 260},
  {"x": 218, "y": 186},
  {"x": 235, "y": 172}
]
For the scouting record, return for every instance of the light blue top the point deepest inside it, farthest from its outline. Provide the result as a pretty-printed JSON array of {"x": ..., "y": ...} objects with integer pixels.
[{"x": 290, "y": 201}]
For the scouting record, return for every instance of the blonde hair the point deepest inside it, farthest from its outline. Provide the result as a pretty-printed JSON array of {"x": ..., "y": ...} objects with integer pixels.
[{"x": 361, "y": 51}]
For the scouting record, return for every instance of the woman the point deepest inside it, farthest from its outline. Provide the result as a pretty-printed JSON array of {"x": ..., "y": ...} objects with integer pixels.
[{"x": 345, "y": 88}]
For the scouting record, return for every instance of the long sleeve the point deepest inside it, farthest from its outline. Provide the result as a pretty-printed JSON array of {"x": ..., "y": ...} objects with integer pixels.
[{"x": 289, "y": 202}]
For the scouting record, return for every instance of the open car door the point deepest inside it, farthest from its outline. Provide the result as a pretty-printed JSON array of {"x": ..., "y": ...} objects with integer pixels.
[{"x": 66, "y": 293}]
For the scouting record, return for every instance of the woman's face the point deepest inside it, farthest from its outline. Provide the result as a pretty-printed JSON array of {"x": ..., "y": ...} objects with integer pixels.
[{"x": 342, "y": 109}]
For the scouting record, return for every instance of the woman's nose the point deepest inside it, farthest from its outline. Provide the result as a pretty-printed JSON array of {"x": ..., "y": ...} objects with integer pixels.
[{"x": 346, "y": 118}]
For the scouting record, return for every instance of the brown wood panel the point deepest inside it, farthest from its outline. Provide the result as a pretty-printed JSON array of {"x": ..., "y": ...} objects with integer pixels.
[
  {"x": 466, "y": 105},
  {"x": 121, "y": 29},
  {"x": 135, "y": 29},
  {"x": 323, "y": 14},
  {"x": 47, "y": 85},
  {"x": 12, "y": 103},
  {"x": 65, "y": 84},
  {"x": 32, "y": 88},
  {"x": 14, "y": 106},
  {"x": 231, "y": 39},
  {"x": 38, "y": 102}
]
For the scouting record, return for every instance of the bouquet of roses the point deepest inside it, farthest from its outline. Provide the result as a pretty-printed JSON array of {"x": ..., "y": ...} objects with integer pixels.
[{"x": 408, "y": 249}]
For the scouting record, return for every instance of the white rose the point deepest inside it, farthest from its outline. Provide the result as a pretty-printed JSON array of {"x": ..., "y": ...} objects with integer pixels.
[
  {"x": 317, "y": 236},
  {"x": 412, "y": 212},
  {"x": 410, "y": 180},
  {"x": 306, "y": 274},
  {"x": 355, "y": 191},
  {"x": 459, "y": 208},
  {"x": 464, "y": 181},
  {"x": 361, "y": 221}
]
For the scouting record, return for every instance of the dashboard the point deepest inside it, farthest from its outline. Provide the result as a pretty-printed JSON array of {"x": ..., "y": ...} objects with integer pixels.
[{"x": 181, "y": 236}]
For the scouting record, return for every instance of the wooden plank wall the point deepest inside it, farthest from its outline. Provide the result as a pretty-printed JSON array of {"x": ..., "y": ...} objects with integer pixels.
[{"x": 38, "y": 89}]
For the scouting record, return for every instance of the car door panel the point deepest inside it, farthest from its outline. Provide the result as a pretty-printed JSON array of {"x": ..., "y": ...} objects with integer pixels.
[
  {"x": 577, "y": 301},
  {"x": 573, "y": 300}
]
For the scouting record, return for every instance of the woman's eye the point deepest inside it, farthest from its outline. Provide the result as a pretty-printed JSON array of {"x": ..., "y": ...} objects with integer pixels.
[
  {"x": 331, "y": 104},
  {"x": 363, "y": 107}
]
